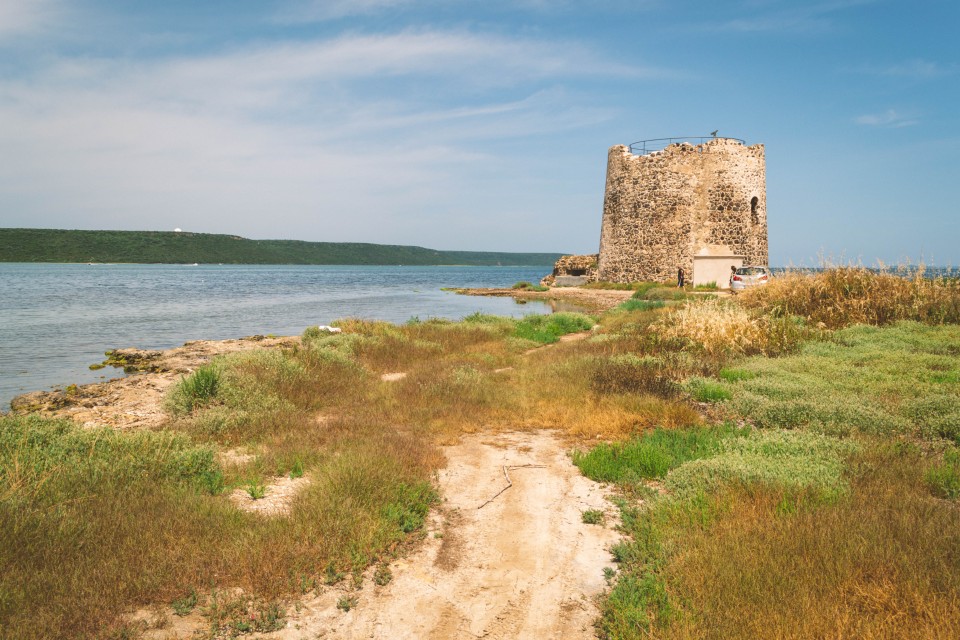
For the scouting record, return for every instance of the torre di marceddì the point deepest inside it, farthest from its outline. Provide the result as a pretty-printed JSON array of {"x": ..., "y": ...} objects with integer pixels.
[{"x": 700, "y": 206}]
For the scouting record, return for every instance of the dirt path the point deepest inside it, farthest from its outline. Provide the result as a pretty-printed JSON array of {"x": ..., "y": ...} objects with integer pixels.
[{"x": 522, "y": 566}]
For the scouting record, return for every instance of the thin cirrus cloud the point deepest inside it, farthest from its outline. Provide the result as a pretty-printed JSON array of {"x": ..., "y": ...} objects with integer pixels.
[
  {"x": 779, "y": 17},
  {"x": 294, "y": 126},
  {"x": 290, "y": 76},
  {"x": 916, "y": 68},
  {"x": 487, "y": 58},
  {"x": 26, "y": 17},
  {"x": 891, "y": 118},
  {"x": 320, "y": 10},
  {"x": 312, "y": 80},
  {"x": 323, "y": 10}
]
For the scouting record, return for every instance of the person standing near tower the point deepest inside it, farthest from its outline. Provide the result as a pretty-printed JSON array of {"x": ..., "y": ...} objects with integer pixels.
[{"x": 680, "y": 278}]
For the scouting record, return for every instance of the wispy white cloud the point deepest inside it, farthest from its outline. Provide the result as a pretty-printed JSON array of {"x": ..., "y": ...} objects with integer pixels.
[
  {"x": 320, "y": 10},
  {"x": 298, "y": 11},
  {"x": 25, "y": 17},
  {"x": 796, "y": 17},
  {"x": 292, "y": 133},
  {"x": 891, "y": 119},
  {"x": 916, "y": 68}
]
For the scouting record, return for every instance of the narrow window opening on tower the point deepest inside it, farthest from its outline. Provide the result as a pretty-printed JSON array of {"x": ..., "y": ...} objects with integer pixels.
[{"x": 754, "y": 216}]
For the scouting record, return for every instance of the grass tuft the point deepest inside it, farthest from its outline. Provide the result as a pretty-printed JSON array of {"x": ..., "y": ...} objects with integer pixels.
[
  {"x": 592, "y": 516},
  {"x": 943, "y": 478},
  {"x": 706, "y": 390},
  {"x": 523, "y": 285},
  {"x": 651, "y": 455},
  {"x": 546, "y": 329},
  {"x": 195, "y": 390},
  {"x": 634, "y": 304}
]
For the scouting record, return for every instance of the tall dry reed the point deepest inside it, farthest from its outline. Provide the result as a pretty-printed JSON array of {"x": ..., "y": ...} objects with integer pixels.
[{"x": 844, "y": 296}]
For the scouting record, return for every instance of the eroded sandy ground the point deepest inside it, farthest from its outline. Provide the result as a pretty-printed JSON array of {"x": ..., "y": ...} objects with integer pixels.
[
  {"x": 522, "y": 566},
  {"x": 136, "y": 400}
]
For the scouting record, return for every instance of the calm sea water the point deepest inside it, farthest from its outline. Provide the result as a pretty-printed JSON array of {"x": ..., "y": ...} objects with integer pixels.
[{"x": 56, "y": 320}]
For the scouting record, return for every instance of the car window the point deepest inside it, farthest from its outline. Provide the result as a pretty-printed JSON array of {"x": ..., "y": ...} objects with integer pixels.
[{"x": 751, "y": 271}]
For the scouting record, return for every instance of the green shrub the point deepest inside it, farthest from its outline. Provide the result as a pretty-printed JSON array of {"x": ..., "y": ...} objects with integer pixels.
[
  {"x": 736, "y": 375},
  {"x": 651, "y": 455},
  {"x": 296, "y": 471},
  {"x": 523, "y": 285},
  {"x": 382, "y": 575},
  {"x": 312, "y": 333},
  {"x": 707, "y": 286},
  {"x": 184, "y": 606},
  {"x": 943, "y": 478},
  {"x": 634, "y": 304},
  {"x": 546, "y": 329},
  {"x": 937, "y": 415},
  {"x": 868, "y": 379},
  {"x": 627, "y": 610},
  {"x": 791, "y": 459},
  {"x": 345, "y": 603},
  {"x": 706, "y": 390},
  {"x": 592, "y": 516},
  {"x": 256, "y": 490},
  {"x": 412, "y": 504},
  {"x": 239, "y": 615},
  {"x": 195, "y": 390}
]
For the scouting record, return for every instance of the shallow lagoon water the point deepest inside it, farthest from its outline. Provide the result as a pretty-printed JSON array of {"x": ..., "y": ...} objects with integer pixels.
[{"x": 56, "y": 320}]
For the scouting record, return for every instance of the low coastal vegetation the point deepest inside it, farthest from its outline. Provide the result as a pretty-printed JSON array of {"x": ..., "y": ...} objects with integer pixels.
[
  {"x": 528, "y": 286},
  {"x": 782, "y": 470},
  {"x": 829, "y": 513}
]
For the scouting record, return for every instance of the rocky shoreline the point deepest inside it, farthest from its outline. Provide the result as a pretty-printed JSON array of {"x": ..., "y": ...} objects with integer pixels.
[
  {"x": 586, "y": 299},
  {"x": 135, "y": 400}
]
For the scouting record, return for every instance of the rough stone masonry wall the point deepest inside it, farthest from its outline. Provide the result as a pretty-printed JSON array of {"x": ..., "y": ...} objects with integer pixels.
[
  {"x": 584, "y": 267},
  {"x": 662, "y": 208}
]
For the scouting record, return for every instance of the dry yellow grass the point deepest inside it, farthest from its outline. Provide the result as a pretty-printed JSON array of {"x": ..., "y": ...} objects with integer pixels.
[
  {"x": 843, "y": 296},
  {"x": 717, "y": 326},
  {"x": 879, "y": 563}
]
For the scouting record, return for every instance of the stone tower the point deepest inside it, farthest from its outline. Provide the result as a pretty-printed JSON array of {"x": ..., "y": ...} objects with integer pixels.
[{"x": 700, "y": 206}]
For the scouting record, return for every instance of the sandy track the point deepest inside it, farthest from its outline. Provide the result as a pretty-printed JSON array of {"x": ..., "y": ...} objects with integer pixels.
[{"x": 523, "y": 566}]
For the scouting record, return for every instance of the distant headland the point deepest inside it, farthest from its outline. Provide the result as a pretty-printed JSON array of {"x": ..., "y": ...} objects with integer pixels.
[{"x": 181, "y": 247}]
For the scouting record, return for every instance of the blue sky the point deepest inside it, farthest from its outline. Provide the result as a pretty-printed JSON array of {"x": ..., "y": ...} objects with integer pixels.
[{"x": 475, "y": 124}]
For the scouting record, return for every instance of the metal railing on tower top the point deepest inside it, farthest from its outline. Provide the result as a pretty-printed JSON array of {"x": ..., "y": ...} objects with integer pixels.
[{"x": 643, "y": 147}]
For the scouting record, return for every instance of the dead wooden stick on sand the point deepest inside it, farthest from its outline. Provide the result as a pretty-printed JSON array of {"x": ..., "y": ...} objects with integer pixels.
[{"x": 509, "y": 481}]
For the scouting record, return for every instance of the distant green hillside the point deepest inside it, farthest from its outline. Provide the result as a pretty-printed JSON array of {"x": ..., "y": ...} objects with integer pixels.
[{"x": 57, "y": 245}]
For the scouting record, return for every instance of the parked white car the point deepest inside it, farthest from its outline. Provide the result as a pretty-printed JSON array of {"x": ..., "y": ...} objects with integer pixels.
[{"x": 746, "y": 277}]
